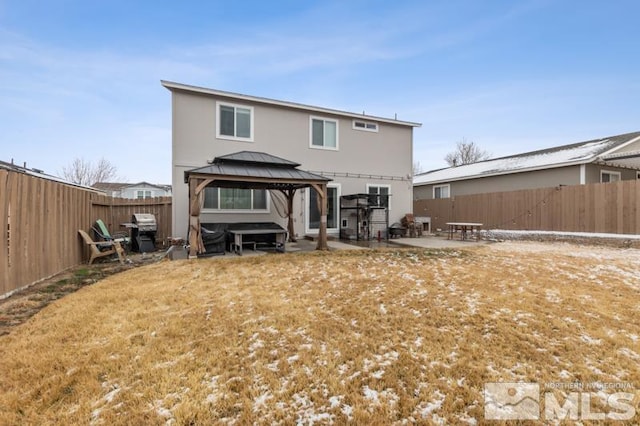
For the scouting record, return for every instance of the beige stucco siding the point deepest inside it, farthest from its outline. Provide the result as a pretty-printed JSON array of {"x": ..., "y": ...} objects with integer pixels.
[
  {"x": 511, "y": 182},
  {"x": 285, "y": 132}
]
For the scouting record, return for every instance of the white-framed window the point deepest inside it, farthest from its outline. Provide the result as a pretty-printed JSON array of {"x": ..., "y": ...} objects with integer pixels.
[
  {"x": 609, "y": 176},
  {"x": 380, "y": 194},
  {"x": 312, "y": 212},
  {"x": 323, "y": 133},
  {"x": 236, "y": 200},
  {"x": 142, "y": 194},
  {"x": 442, "y": 191},
  {"x": 367, "y": 126},
  {"x": 234, "y": 122}
]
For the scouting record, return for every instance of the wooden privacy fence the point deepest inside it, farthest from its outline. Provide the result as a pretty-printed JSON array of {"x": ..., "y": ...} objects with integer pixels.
[
  {"x": 39, "y": 222},
  {"x": 602, "y": 207}
]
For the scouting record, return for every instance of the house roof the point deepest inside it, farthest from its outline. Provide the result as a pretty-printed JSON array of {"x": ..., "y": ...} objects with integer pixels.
[
  {"x": 202, "y": 90},
  {"x": 247, "y": 165},
  {"x": 566, "y": 155}
]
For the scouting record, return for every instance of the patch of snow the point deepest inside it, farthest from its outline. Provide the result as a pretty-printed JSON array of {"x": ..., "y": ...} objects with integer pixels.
[
  {"x": 553, "y": 296},
  {"x": 335, "y": 401},
  {"x": 255, "y": 346},
  {"x": 433, "y": 405},
  {"x": 163, "y": 412},
  {"x": 629, "y": 353},
  {"x": 261, "y": 401},
  {"x": 590, "y": 340},
  {"x": 564, "y": 374},
  {"x": 293, "y": 358},
  {"x": 378, "y": 374},
  {"x": 371, "y": 395},
  {"x": 383, "y": 310},
  {"x": 562, "y": 234},
  {"x": 465, "y": 418},
  {"x": 109, "y": 396},
  {"x": 347, "y": 410}
]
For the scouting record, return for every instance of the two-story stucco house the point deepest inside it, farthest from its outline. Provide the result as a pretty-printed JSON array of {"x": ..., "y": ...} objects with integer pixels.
[{"x": 359, "y": 153}]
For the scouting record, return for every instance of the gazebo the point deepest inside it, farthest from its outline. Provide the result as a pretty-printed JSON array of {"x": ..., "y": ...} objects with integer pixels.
[{"x": 252, "y": 170}]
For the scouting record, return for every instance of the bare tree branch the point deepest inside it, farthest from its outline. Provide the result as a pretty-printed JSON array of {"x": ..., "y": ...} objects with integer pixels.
[
  {"x": 83, "y": 172},
  {"x": 466, "y": 153},
  {"x": 417, "y": 168}
]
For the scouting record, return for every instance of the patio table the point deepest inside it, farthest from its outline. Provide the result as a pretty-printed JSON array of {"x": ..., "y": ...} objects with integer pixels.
[{"x": 464, "y": 228}]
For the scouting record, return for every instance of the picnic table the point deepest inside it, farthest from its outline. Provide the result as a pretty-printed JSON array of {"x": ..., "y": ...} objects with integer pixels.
[{"x": 464, "y": 228}]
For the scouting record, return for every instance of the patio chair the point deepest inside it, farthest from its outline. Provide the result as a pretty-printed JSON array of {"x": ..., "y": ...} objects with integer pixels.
[
  {"x": 102, "y": 233},
  {"x": 102, "y": 248}
]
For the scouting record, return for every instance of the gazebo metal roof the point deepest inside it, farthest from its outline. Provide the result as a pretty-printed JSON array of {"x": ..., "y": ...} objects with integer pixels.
[{"x": 249, "y": 169}]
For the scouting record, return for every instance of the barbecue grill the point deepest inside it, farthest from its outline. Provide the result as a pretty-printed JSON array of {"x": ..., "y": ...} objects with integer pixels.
[{"x": 143, "y": 233}]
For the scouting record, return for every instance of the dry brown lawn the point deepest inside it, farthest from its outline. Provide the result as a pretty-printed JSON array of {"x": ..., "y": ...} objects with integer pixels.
[{"x": 361, "y": 337}]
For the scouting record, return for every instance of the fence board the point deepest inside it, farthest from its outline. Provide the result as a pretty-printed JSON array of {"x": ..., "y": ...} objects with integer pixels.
[
  {"x": 603, "y": 207},
  {"x": 4, "y": 247}
]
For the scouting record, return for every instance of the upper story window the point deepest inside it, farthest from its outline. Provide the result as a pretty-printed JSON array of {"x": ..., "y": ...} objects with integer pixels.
[
  {"x": 609, "y": 176},
  {"x": 324, "y": 133},
  {"x": 380, "y": 195},
  {"x": 234, "y": 122},
  {"x": 365, "y": 125},
  {"x": 441, "y": 191}
]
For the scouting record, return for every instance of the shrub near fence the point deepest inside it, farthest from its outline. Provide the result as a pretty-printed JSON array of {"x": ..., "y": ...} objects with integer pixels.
[
  {"x": 39, "y": 222},
  {"x": 602, "y": 207}
]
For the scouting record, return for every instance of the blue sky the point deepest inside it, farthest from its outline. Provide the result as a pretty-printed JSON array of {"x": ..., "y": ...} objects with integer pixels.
[{"x": 82, "y": 78}]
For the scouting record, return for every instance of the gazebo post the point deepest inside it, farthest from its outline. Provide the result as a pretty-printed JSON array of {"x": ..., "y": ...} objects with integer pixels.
[
  {"x": 194, "y": 218},
  {"x": 321, "y": 189},
  {"x": 290, "y": 193}
]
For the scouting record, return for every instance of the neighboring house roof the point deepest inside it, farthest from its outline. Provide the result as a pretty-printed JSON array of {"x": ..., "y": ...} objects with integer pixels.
[
  {"x": 250, "y": 164},
  {"x": 188, "y": 88},
  {"x": 41, "y": 174},
  {"x": 561, "y": 156},
  {"x": 118, "y": 186},
  {"x": 109, "y": 186}
]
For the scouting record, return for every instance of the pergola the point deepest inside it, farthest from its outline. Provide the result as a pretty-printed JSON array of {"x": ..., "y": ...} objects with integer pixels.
[{"x": 252, "y": 170}]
